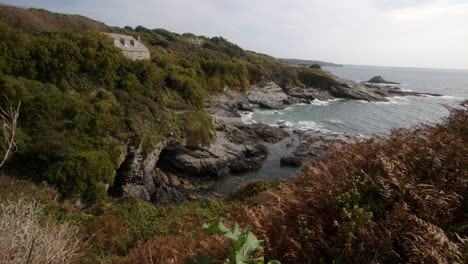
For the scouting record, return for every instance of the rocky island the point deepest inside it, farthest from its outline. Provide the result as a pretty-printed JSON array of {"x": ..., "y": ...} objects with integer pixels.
[{"x": 380, "y": 79}]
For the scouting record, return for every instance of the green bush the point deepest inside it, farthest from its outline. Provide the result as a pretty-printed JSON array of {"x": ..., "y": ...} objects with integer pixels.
[
  {"x": 83, "y": 172},
  {"x": 116, "y": 227},
  {"x": 197, "y": 128}
]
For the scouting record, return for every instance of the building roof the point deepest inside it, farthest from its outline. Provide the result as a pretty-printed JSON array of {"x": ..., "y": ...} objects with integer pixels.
[{"x": 129, "y": 42}]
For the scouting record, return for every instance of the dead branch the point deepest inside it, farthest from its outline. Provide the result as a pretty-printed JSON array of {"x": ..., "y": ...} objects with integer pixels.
[{"x": 8, "y": 122}]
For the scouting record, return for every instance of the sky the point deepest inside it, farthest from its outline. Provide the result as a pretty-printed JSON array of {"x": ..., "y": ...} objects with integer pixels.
[{"x": 400, "y": 33}]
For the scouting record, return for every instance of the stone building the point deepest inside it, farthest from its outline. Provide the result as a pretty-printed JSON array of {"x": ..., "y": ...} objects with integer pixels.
[{"x": 131, "y": 47}]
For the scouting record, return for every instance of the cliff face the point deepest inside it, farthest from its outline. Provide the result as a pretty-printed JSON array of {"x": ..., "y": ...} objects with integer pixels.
[{"x": 172, "y": 172}]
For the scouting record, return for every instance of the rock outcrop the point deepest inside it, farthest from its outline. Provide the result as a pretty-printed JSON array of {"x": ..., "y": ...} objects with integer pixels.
[
  {"x": 291, "y": 161},
  {"x": 380, "y": 79},
  {"x": 236, "y": 147},
  {"x": 313, "y": 145},
  {"x": 173, "y": 172},
  {"x": 274, "y": 96},
  {"x": 135, "y": 175}
]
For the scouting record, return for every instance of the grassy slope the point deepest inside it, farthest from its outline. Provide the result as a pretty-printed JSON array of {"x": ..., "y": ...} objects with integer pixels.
[{"x": 36, "y": 20}]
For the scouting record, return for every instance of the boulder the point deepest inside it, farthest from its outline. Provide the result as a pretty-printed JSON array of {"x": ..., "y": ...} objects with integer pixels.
[
  {"x": 291, "y": 161},
  {"x": 271, "y": 96}
]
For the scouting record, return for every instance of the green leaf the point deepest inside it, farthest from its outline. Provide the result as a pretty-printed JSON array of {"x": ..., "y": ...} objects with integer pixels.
[
  {"x": 250, "y": 245},
  {"x": 217, "y": 227},
  {"x": 245, "y": 243}
]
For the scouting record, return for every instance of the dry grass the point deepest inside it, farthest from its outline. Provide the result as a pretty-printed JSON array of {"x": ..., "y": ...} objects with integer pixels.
[
  {"x": 14, "y": 189},
  {"x": 25, "y": 239},
  {"x": 174, "y": 249}
]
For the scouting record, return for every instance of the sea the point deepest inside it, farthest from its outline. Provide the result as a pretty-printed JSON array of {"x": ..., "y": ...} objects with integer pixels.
[{"x": 359, "y": 118}]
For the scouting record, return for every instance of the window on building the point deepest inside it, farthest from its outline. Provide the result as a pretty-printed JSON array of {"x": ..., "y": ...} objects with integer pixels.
[
  {"x": 122, "y": 41},
  {"x": 133, "y": 42}
]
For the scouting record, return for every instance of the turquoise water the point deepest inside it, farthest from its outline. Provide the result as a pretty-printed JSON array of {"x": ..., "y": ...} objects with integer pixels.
[{"x": 359, "y": 117}]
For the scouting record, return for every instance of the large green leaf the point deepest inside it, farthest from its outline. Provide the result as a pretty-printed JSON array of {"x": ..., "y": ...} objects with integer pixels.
[
  {"x": 245, "y": 243},
  {"x": 243, "y": 253}
]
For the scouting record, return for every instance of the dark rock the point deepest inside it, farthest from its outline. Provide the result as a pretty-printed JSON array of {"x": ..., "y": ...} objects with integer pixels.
[
  {"x": 135, "y": 176},
  {"x": 252, "y": 159},
  {"x": 380, "y": 79},
  {"x": 316, "y": 145},
  {"x": 282, "y": 124},
  {"x": 167, "y": 189},
  {"x": 291, "y": 161},
  {"x": 260, "y": 132},
  {"x": 237, "y": 147}
]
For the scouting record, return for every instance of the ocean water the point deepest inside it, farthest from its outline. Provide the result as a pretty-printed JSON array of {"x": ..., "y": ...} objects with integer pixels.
[{"x": 360, "y": 117}]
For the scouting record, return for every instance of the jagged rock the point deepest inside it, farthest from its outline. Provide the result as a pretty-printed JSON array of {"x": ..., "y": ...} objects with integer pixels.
[
  {"x": 167, "y": 189},
  {"x": 261, "y": 132},
  {"x": 292, "y": 161},
  {"x": 271, "y": 96},
  {"x": 135, "y": 175},
  {"x": 227, "y": 104},
  {"x": 235, "y": 148},
  {"x": 316, "y": 145}
]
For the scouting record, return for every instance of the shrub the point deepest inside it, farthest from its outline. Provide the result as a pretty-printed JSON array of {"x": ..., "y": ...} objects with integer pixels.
[
  {"x": 118, "y": 226},
  {"x": 27, "y": 240},
  {"x": 197, "y": 128},
  {"x": 315, "y": 66},
  {"x": 83, "y": 173}
]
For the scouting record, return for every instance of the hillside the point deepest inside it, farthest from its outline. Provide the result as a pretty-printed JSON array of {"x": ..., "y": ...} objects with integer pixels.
[{"x": 36, "y": 20}]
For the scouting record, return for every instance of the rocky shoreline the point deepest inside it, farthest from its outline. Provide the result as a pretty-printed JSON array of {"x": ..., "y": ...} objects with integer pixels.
[{"x": 174, "y": 173}]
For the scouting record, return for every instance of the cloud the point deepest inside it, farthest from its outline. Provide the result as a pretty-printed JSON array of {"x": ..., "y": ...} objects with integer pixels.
[
  {"x": 429, "y": 11},
  {"x": 420, "y": 33}
]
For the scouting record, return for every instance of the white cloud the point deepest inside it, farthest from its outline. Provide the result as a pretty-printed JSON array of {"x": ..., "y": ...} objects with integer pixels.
[
  {"x": 420, "y": 33},
  {"x": 430, "y": 11}
]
